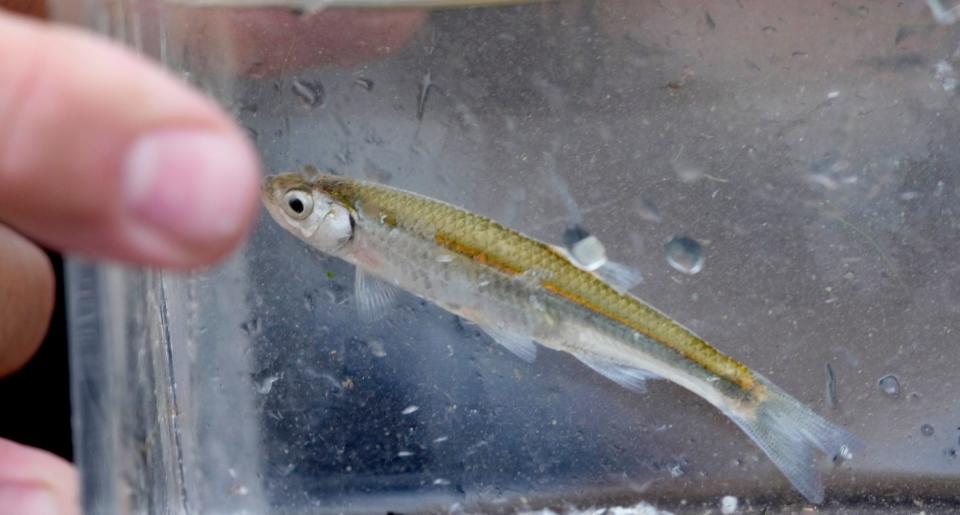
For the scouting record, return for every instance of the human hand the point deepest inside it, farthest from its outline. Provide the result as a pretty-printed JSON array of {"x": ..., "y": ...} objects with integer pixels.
[{"x": 105, "y": 156}]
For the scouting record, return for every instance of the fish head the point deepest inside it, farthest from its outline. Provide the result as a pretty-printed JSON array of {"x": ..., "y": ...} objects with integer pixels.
[{"x": 312, "y": 214}]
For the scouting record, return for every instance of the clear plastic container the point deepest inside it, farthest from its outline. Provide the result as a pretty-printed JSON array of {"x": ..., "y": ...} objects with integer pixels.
[{"x": 784, "y": 175}]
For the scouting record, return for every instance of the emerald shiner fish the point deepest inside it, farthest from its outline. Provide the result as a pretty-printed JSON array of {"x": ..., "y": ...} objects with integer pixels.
[{"x": 521, "y": 291}]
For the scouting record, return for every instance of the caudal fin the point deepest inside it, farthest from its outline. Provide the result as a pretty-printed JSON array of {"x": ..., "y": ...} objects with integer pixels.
[{"x": 790, "y": 433}]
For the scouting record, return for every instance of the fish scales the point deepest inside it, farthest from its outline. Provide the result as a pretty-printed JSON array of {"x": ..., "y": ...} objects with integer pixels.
[{"x": 488, "y": 242}]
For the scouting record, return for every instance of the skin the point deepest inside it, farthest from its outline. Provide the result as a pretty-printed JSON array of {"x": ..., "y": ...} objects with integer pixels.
[{"x": 139, "y": 162}]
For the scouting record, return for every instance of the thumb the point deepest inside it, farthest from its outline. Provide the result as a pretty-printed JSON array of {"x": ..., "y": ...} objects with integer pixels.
[
  {"x": 104, "y": 155},
  {"x": 35, "y": 481}
]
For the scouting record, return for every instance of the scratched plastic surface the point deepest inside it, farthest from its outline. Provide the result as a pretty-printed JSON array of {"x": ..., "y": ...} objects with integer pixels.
[{"x": 784, "y": 175}]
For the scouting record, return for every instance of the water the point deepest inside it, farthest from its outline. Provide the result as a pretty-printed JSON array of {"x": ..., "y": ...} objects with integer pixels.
[{"x": 807, "y": 149}]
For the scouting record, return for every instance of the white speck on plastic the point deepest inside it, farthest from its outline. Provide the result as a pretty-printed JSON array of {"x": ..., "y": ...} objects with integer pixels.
[
  {"x": 729, "y": 504},
  {"x": 944, "y": 72},
  {"x": 832, "y": 95},
  {"x": 643, "y": 508},
  {"x": 376, "y": 348},
  {"x": 409, "y": 409}
]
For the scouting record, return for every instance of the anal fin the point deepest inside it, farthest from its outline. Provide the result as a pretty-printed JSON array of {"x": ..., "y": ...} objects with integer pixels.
[{"x": 520, "y": 345}]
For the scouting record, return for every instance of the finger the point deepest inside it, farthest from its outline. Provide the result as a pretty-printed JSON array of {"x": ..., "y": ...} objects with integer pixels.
[
  {"x": 104, "y": 155},
  {"x": 269, "y": 41},
  {"x": 36, "y": 8},
  {"x": 26, "y": 299},
  {"x": 35, "y": 481}
]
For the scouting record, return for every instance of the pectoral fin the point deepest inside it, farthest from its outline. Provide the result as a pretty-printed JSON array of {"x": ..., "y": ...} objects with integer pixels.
[
  {"x": 628, "y": 377},
  {"x": 374, "y": 296}
]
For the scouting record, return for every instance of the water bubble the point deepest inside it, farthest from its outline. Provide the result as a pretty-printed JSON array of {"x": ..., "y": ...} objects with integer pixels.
[
  {"x": 926, "y": 430},
  {"x": 889, "y": 385},
  {"x": 311, "y": 94},
  {"x": 684, "y": 255},
  {"x": 585, "y": 248}
]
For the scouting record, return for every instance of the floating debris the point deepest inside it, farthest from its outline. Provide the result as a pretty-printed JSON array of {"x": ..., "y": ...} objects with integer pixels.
[
  {"x": 251, "y": 327},
  {"x": 831, "y": 387},
  {"x": 364, "y": 83},
  {"x": 311, "y": 94},
  {"x": 647, "y": 210},
  {"x": 926, "y": 430},
  {"x": 264, "y": 386},
  {"x": 425, "y": 86},
  {"x": 676, "y": 470},
  {"x": 410, "y": 409}
]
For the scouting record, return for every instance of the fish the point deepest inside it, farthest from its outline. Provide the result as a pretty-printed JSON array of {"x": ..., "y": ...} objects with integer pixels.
[{"x": 523, "y": 292}]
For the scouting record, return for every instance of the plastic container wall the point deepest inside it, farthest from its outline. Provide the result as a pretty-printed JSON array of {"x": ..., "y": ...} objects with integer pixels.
[{"x": 783, "y": 174}]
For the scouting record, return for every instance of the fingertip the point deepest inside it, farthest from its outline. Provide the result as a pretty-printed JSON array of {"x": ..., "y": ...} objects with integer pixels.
[
  {"x": 35, "y": 478},
  {"x": 189, "y": 196},
  {"x": 144, "y": 169}
]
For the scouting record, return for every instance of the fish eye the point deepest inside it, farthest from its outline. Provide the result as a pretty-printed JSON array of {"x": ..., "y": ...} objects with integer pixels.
[{"x": 298, "y": 204}]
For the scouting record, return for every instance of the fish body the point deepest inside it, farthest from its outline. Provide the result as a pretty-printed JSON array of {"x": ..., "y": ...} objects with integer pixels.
[{"x": 521, "y": 291}]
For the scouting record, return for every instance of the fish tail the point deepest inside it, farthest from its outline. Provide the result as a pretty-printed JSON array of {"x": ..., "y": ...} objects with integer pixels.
[{"x": 790, "y": 433}]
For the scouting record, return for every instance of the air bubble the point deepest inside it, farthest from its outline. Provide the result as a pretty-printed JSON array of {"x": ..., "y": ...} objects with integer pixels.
[
  {"x": 889, "y": 385},
  {"x": 684, "y": 255}
]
